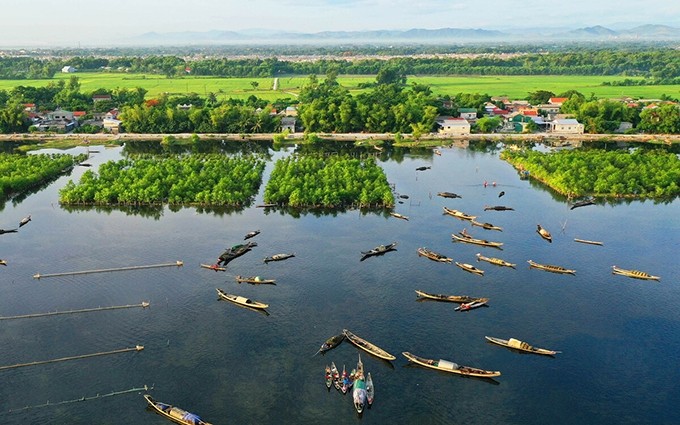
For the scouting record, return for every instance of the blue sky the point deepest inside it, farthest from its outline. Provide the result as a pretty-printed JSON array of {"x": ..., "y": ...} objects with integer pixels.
[{"x": 95, "y": 22}]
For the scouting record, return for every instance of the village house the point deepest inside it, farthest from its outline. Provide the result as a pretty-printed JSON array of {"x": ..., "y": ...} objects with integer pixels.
[
  {"x": 451, "y": 125},
  {"x": 469, "y": 114},
  {"x": 112, "y": 125},
  {"x": 568, "y": 125},
  {"x": 288, "y": 123},
  {"x": 101, "y": 98},
  {"x": 68, "y": 69}
]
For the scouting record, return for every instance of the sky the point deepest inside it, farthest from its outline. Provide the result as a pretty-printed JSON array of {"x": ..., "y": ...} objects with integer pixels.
[{"x": 102, "y": 23}]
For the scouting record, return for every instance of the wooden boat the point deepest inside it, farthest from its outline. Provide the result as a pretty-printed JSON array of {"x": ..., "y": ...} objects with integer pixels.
[
  {"x": 448, "y": 195},
  {"x": 498, "y": 208},
  {"x": 550, "y": 268},
  {"x": 637, "y": 274},
  {"x": 450, "y": 298},
  {"x": 360, "y": 369},
  {"x": 424, "y": 252},
  {"x": 459, "y": 214},
  {"x": 380, "y": 249},
  {"x": 481, "y": 242},
  {"x": 437, "y": 152},
  {"x": 251, "y": 234},
  {"x": 370, "y": 389},
  {"x": 588, "y": 242},
  {"x": 582, "y": 203},
  {"x": 336, "y": 376},
  {"x": 237, "y": 299},
  {"x": 487, "y": 226},
  {"x": 397, "y": 215},
  {"x": 495, "y": 261},
  {"x": 470, "y": 268},
  {"x": 328, "y": 377},
  {"x": 344, "y": 380},
  {"x": 423, "y": 168},
  {"x": 234, "y": 252},
  {"x": 213, "y": 267},
  {"x": 544, "y": 233},
  {"x": 470, "y": 306},
  {"x": 367, "y": 346},
  {"x": 447, "y": 366},
  {"x": 254, "y": 280},
  {"x": 278, "y": 257},
  {"x": 266, "y": 205},
  {"x": 520, "y": 345},
  {"x": 331, "y": 343},
  {"x": 359, "y": 396},
  {"x": 3, "y": 263},
  {"x": 173, "y": 413}
]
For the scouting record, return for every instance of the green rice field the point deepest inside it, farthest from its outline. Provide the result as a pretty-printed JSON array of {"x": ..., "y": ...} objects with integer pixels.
[{"x": 516, "y": 87}]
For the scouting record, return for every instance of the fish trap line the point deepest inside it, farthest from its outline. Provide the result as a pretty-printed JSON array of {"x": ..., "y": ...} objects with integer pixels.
[
  {"x": 144, "y": 304},
  {"x": 145, "y": 388},
  {"x": 115, "y": 269},
  {"x": 63, "y": 359}
]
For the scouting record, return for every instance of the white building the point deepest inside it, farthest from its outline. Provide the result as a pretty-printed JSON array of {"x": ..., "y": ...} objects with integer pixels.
[
  {"x": 68, "y": 69},
  {"x": 450, "y": 125},
  {"x": 568, "y": 125}
]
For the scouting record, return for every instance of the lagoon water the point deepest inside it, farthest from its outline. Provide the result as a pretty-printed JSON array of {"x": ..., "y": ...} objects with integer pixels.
[{"x": 619, "y": 337}]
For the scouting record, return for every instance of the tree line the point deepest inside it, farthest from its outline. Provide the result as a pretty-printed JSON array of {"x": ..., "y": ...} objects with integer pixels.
[{"x": 19, "y": 173}]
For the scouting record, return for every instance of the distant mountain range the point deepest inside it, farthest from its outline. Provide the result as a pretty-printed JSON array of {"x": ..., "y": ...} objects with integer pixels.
[{"x": 597, "y": 33}]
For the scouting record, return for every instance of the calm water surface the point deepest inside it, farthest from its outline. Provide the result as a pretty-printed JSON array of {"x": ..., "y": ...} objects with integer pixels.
[{"x": 619, "y": 337}]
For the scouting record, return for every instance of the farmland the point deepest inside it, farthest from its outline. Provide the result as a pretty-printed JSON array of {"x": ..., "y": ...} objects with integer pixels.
[{"x": 516, "y": 87}]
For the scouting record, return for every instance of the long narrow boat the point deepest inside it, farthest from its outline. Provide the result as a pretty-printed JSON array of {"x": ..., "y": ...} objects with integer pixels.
[
  {"x": 173, "y": 413},
  {"x": 370, "y": 389},
  {"x": 550, "y": 268},
  {"x": 447, "y": 366},
  {"x": 331, "y": 343},
  {"x": 637, "y": 274},
  {"x": 397, "y": 215},
  {"x": 543, "y": 233},
  {"x": 214, "y": 267},
  {"x": 251, "y": 234},
  {"x": 495, "y": 261},
  {"x": 481, "y": 242},
  {"x": 449, "y": 298},
  {"x": 359, "y": 396},
  {"x": 336, "y": 377},
  {"x": 470, "y": 268},
  {"x": 254, "y": 280},
  {"x": 380, "y": 249},
  {"x": 237, "y": 299},
  {"x": 588, "y": 242},
  {"x": 328, "y": 377},
  {"x": 459, "y": 214},
  {"x": 448, "y": 195},
  {"x": 487, "y": 226},
  {"x": 470, "y": 306},
  {"x": 498, "y": 208},
  {"x": 434, "y": 256},
  {"x": 278, "y": 257},
  {"x": 520, "y": 345},
  {"x": 367, "y": 346}
]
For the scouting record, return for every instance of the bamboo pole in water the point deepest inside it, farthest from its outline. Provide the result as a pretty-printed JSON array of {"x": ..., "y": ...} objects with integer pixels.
[
  {"x": 115, "y": 269},
  {"x": 63, "y": 359},
  {"x": 144, "y": 304}
]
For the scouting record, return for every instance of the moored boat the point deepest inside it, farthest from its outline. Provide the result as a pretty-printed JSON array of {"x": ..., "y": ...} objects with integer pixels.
[
  {"x": 254, "y": 280},
  {"x": 588, "y": 242},
  {"x": 237, "y": 299},
  {"x": 450, "y": 298},
  {"x": 451, "y": 367},
  {"x": 582, "y": 203},
  {"x": 328, "y": 377},
  {"x": 487, "y": 226},
  {"x": 174, "y": 413},
  {"x": 448, "y": 195},
  {"x": 475, "y": 241},
  {"x": 370, "y": 389},
  {"x": 359, "y": 395},
  {"x": 544, "y": 233},
  {"x": 498, "y": 208},
  {"x": 251, "y": 234},
  {"x": 459, "y": 214},
  {"x": 344, "y": 380},
  {"x": 278, "y": 257},
  {"x": 470, "y": 306},
  {"x": 397, "y": 215},
  {"x": 520, "y": 345},
  {"x": 213, "y": 267},
  {"x": 234, "y": 252},
  {"x": 367, "y": 346},
  {"x": 550, "y": 268},
  {"x": 470, "y": 268},
  {"x": 495, "y": 261},
  {"x": 380, "y": 249},
  {"x": 336, "y": 376},
  {"x": 637, "y": 274},
  {"x": 435, "y": 256},
  {"x": 331, "y": 343}
]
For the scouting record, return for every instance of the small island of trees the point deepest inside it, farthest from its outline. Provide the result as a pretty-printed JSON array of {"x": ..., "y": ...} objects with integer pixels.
[
  {"x": 19, "y": 173},
  {"x": 329, "y": 182},
  {"x": 203, "y": 179},
  {"x": 597, "y": 172}
]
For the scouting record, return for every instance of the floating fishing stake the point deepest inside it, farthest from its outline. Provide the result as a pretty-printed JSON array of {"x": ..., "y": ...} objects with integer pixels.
[
  {"x": 151, "y": 266},
  {"x": 144, "y": 304},
  {"x": 145, "y": 388},
  {"x": 63, "y": 359}
]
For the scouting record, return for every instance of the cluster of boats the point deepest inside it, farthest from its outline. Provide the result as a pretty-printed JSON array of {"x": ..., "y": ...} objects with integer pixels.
[{"x": 360, "y": 383}]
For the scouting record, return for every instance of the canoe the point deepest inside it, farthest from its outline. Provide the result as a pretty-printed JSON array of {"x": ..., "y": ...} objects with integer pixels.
[
  {"x": 423, "y": 168},
  {"x": 254, "y": 280},
  {"x": 360, "y": 369},
  {"x": 367, "y": 346},
  {"x": 234, "y": 252},
  {"x": 251, "y": 234},
  {"x": 550, "y": 268},
  {"x": 213, "y": 267},
  {"x": 278, "y": 257},
  {"x": 331, "y": 343},
  {"x": 544, "y": 233},
  {"x": 328, "y": 377},
  {"x": 470, "y": 268},
  {"x": 437, "y": 152},
  {"x": 637, "y": 274},
  {"x": 344, "y": 380},
  {"x": 447, "y": 366},
  {"x": 498, "y": 208},
  {"x": 336, "y": 376},
  {"x": 450, "y": 298},
  {"x": 448, "y": 195},
  {"x": 588, "y": 242},
  {"x": 470, "y": 306},
  {"x": 173, "y": 413},
  {"x": 487, "y": 226},
  {"x": 359, "y": 396},
  {"x": 434, "y": 256},
  {"x": 237, "y": 299},
  {"x": 397, "y": 215},
  {"x": 583, "y": 203},
  {"x": 495, "y": 261},
  {"x": 458, "y": 214},
  {"x": 380, "y": 249},
  {"x": 481, "y": 242},
  {"x": 520, "y": 345},
  {"x": 370, "y": 389}
]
